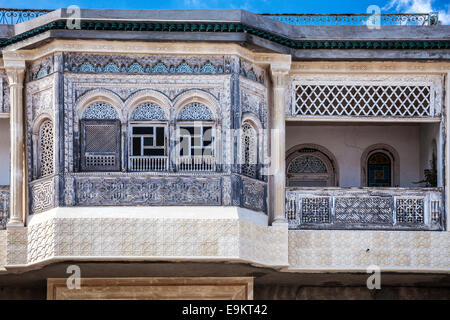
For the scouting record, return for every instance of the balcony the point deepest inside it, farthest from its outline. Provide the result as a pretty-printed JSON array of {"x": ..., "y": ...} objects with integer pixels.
[
  {"x": 4, "y": 206},
  {"x": 364, "y": 208}
]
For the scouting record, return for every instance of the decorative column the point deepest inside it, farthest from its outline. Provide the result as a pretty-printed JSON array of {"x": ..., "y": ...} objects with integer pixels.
[
  {"x": 15, "y": 70},
  {"x": 279, "y": 74}
]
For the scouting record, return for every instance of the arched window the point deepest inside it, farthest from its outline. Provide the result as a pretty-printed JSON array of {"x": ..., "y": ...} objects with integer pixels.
[
  {"x": 310, "y": 167},
  {"x": 148, "y": 138},
  {"x": 45, "y": 149},
  {"x": 196, "y": 138},
  {"x": 380, "y": 166},
  {"x": 100, "y": 137},
  {"x": 249, "y": 150},
  {"x": 379, "y": 170}
]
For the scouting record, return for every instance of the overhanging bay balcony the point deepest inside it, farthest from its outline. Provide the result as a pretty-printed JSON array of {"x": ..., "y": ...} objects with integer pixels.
[{"x": 364, "y": 208}]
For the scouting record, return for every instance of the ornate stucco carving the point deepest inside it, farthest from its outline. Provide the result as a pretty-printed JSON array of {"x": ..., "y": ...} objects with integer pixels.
[
  {"x": 39, "y": 106},
  {"x": 145, "y": 191},
  {"x": 4, "y": 93}
]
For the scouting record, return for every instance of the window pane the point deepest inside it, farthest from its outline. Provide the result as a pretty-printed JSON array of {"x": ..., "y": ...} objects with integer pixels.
[
  {"x": 142, "y": 130},
  {"x": 196, "y": 141},
  {"x": 153, "y": 152},
  {"x": 148, "y": 142},
  {"x": 206, "y": 143},
  {"x": 207, "y": 133},
  {"x": 160, "y": 136},
  {"x": 207, "y": 152},
  {"x": 136, "y": 146},
  {"x": 186, "y": 130}
]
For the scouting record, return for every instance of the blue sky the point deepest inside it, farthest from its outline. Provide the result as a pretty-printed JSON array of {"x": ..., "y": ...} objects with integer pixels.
[{"x": 258, "y": 6}]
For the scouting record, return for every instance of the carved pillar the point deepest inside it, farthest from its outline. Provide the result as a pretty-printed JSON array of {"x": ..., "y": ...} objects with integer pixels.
[
  {"x": 15, "y": 71},
  {"x": 279, "y": 82}
]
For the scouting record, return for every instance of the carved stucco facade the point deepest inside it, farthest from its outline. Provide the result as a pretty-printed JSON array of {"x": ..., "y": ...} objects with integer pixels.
[{"x": 67, "y": 224}]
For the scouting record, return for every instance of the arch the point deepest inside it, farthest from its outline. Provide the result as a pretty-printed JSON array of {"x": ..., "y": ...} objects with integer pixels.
[
  {"x": 249, "y": 149},
  {"x": 45, "y": 149},
  {"x": 253, "y": 120},
  {"x": 391, "y": 153},
  {"x": 147, "y": 96},
  {"x": 323, "y": 167},
  {"x": 100, "y": 110},
  {"x": 196, "y": 96},
  {"x": 195, "y": 111},
  {"x": 99, "y": 95}
]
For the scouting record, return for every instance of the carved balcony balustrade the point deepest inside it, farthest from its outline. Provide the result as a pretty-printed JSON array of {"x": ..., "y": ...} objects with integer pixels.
[
  {"x": 4, "y": 206},
  {"x": 142, "y": 163},
  {"x": 364, "y": 208}
]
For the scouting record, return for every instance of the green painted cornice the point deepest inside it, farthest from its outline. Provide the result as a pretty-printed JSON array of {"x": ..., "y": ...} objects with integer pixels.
[{"x": 234, "y": 28}]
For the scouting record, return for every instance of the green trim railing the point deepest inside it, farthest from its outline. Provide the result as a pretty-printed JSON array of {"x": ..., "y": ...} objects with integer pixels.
[
  {"x": 15, "y": 16},
  {"x": 357, "y": 19}
]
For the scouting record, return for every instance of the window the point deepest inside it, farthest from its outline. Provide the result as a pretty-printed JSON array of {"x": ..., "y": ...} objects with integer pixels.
[
  {"x": 379, "y": 172},
  {"x": 195, "y": 133},
  {"x": 196, "y": 141},
  {"x": 380, "y": 166},
  {"x": 100, "y": 137},
  {"x": 100, "y": 145},
  {"x": 45, "y": 149},
  {"x": 310, "y": 167},
  {"x": 148, "y": 147},
  {"x": 148, "y": 132},
  {"x": 249, "y": 150}
]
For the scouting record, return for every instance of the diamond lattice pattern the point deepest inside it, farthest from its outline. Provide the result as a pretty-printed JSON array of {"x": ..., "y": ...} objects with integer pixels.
[{"x": 362, "y": 100}]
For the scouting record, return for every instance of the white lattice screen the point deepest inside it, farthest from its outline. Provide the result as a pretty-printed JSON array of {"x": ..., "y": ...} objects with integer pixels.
[{"x": 365, "y": 98}]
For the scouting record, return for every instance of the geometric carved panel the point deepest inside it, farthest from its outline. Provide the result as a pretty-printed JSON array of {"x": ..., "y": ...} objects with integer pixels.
[
  {"x": 410, "y": 210},
  {"x": 362, "y": 100},
  {"x": 316, "y": 210},
  {"x": 253, "y": 195},
  {"x": 139, "y": 191},
  {"x": 42, "y": 195},
  {"x": 373, "y": 210}
]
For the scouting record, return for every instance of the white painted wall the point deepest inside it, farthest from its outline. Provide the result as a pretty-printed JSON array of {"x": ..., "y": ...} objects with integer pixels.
[
  {"x": 4, "y": 151},
  {"x": 428, "y": 133},
  {"x": 348, "y": 142}
]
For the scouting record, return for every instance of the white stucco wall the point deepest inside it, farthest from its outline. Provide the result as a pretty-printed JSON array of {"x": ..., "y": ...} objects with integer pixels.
[
  {"x": 428, "y": 133},
  {"x": 4, "y": 151},
  {"x": 348, "y": 142}
]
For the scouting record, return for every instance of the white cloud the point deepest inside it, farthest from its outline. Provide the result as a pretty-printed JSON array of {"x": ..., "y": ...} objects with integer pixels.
[{"x": 419, "y": 6}]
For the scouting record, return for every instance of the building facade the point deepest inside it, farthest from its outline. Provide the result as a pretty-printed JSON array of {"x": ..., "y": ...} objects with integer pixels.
[{"x": 220, "y": 145}]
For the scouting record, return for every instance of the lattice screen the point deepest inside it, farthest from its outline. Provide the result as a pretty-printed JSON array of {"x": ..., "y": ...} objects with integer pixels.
[
  {"x": 100, "y": 145},
  {"x": 364, "y": 99}
]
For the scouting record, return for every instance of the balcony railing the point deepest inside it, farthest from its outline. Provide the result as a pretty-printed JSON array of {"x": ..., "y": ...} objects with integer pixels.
[
  {"x": 364, "y": 208},
  {"x": 149, "y": 163},
  {"x": 15, "y": 16},
  {"x": 357, "y": 19},
  {"x": 196, "y": 163},
  {"x": 4, "y": 206}
]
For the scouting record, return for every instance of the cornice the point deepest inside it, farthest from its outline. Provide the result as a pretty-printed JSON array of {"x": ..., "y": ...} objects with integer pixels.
[{"x": 233, "y": 27}]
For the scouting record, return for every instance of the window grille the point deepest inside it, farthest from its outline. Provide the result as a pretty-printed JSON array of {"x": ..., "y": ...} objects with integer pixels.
[
  {"x": 100, "y": 145},
  {"x": 196, "y": 148},
  {"x": 148, "y": 148},
  {"x": 249, "y": 150},
  {"x": 46, "y": 149}
]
